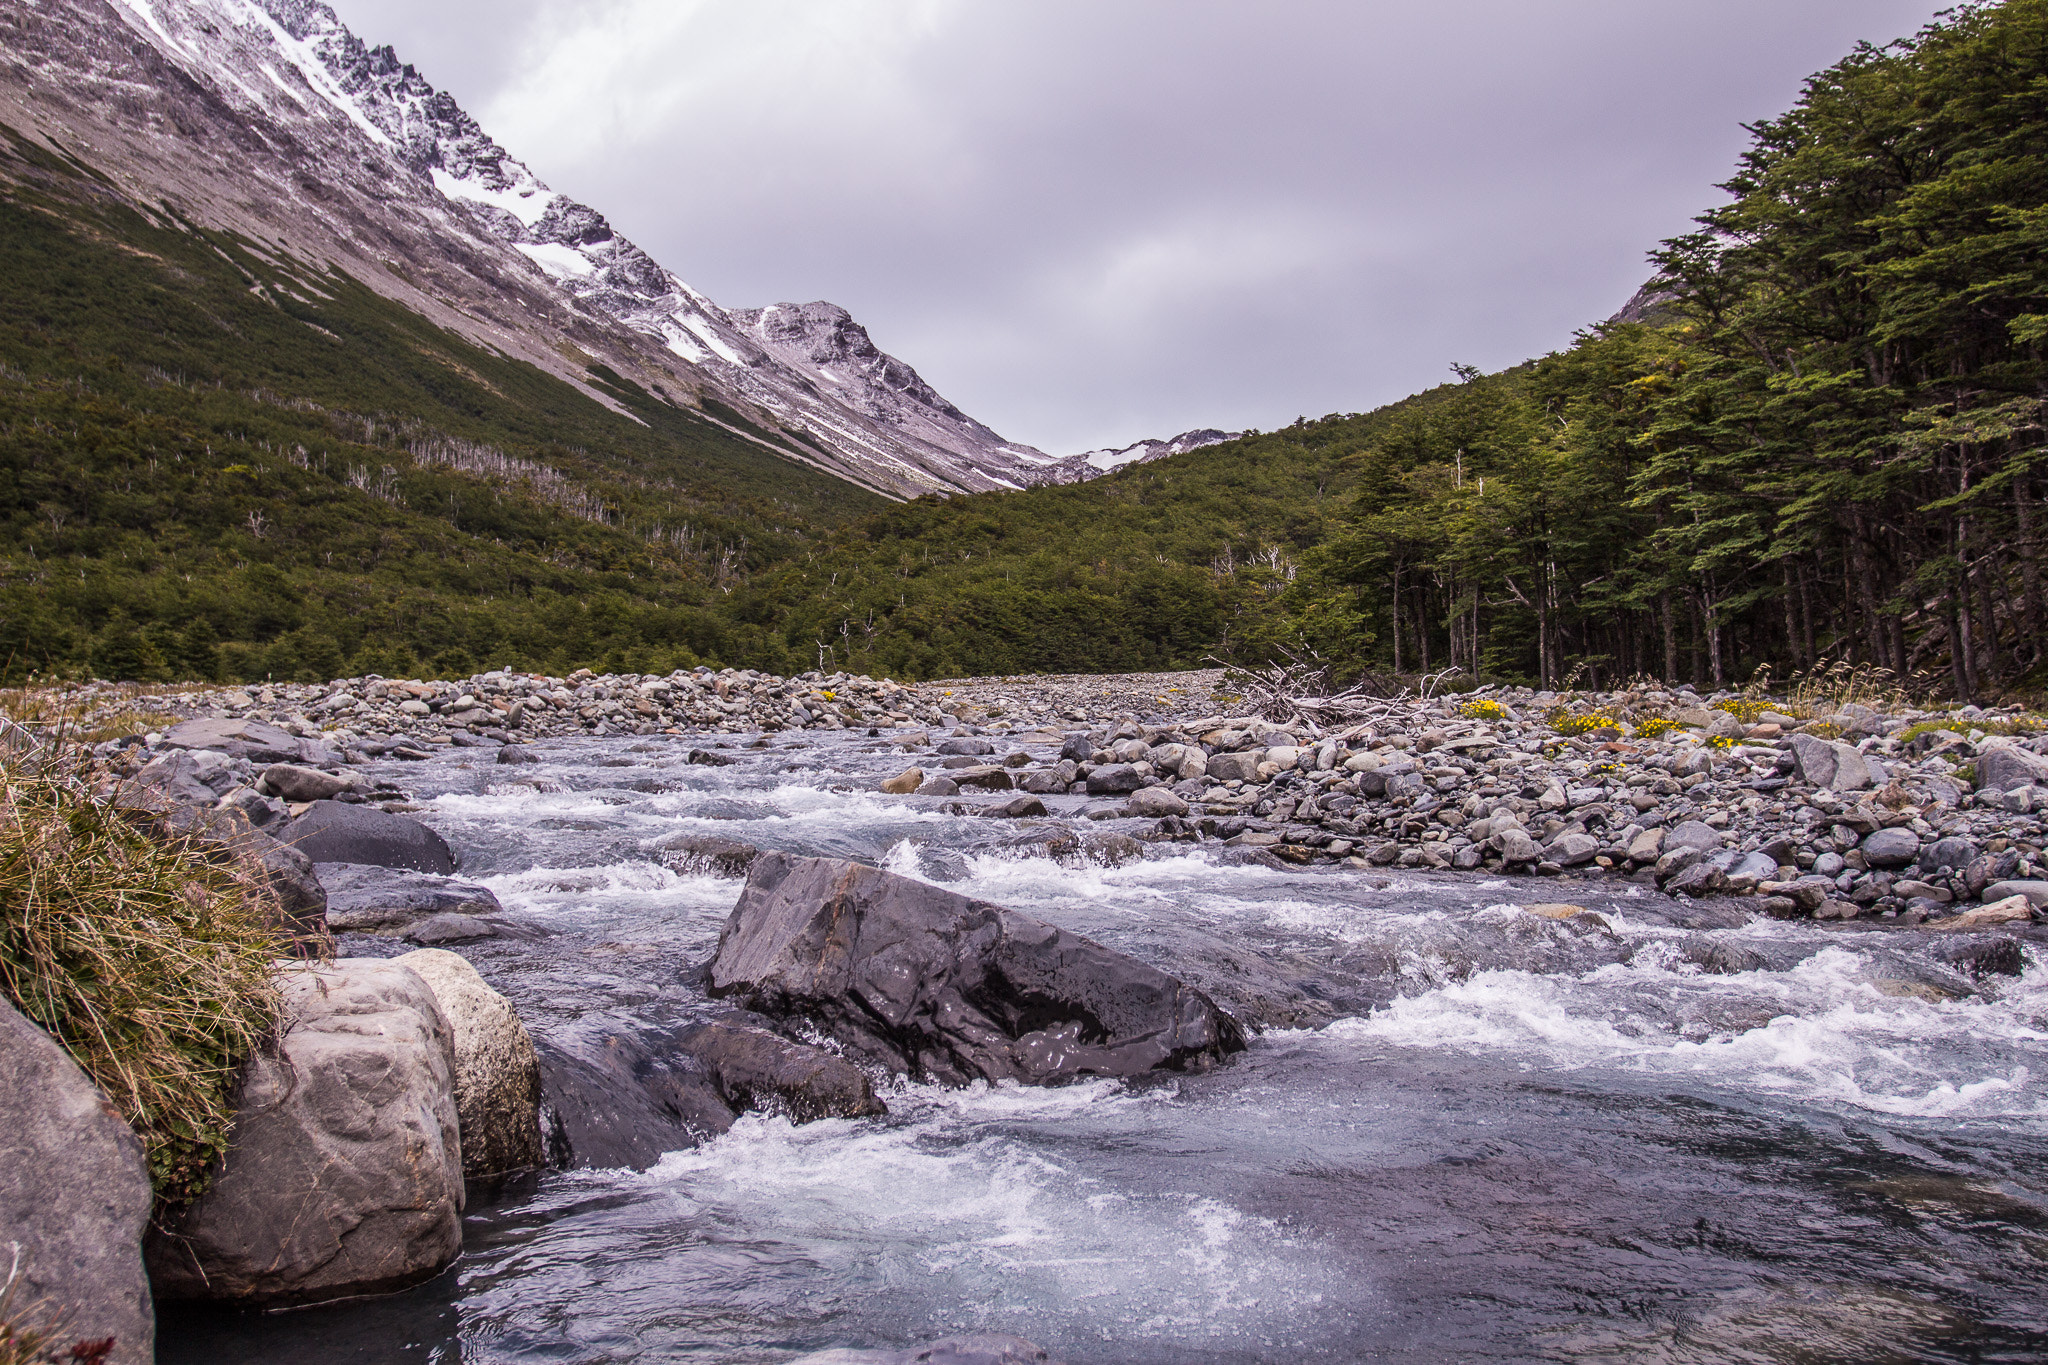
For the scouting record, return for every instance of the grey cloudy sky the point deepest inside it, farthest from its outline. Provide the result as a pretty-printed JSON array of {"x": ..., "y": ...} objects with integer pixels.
[{"x": 1091, "y": 221}]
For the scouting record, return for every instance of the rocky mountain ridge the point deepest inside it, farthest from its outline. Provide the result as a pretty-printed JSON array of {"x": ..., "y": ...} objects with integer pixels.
[{"x": 273, "y": 121}]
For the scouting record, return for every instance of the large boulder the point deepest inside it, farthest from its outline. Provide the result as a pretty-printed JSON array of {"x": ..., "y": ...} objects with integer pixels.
[
  {"x": 296, "y": 782},
  {"x": 613, "y": 1096},
  {"x": 74, "y": 1196},
  {"x": 1115, "y": 779},
  {"x": 929, "y": 982},
  {"x": 1242, "y": 767},
  {"x": 1830, "y": 763},
  {"x": 250, "y": 739},
  {"x": 193, "y": 778},
  {"x": 1889, "y": 848},
  {"x": 344, "y": 1175},
  {"x": 365, "y": 898},
  {"x": 497, "y": 1073},
  {"x": 2003, "y": 767},
  {"x": 335, "y": 832}
]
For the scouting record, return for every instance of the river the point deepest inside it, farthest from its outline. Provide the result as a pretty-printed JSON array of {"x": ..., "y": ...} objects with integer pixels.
[{"x": 1657, "y": 1133}]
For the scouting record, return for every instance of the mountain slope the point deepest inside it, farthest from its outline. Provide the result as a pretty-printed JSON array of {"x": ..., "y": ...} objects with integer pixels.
[{"x": 273, "y": 122}]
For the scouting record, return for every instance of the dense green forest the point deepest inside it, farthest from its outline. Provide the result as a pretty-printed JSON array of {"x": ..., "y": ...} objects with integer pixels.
[{"x": 1821, "y": 446}]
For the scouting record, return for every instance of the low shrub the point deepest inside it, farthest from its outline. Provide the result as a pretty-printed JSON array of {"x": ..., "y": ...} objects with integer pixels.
[
  {"x": 1650, "y": 727},
  {"x": 147, "y": 961},
  {"x": 1483, "y": 708},
  {"x": 1571, "y": 724}
]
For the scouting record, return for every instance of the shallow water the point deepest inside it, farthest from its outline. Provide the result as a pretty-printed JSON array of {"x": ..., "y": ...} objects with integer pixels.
[{"x": 1506, "y": 1138}]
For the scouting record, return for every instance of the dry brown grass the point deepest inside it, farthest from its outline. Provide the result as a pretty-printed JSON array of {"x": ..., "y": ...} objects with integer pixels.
[
  {"x": 87, "y": 715},
  {"x": 145, "y": 958}
]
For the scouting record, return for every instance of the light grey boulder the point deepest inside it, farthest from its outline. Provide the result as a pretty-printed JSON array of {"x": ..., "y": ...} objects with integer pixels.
[
  {"x": 2036, "y": 892},
  {"x": 497, "y": 1072},
  {"x": 344, "y": 1176},
  {"x": 1693, "y": 834},
  {"x": 1115, "y": 779},
  {"x": 74, "y": 1196},
  {"x": 193, "y": 779},
  {"x": 1154, "y": 802},
  {"x": 2004, "y": 767},
  {"x": 1238, "y": 767},
  {"x": 1830, "y": 763},
  {"x": 1647, "y": 847},
  {"x": 928, "y": 982},
  {"x": 250, "y": 739},
  {"x": 1571, "y": 849}
]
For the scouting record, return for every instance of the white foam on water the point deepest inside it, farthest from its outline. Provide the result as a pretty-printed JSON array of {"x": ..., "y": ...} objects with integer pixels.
[
  {"x": 1019, "y": 1237},
  {"x": 615, "y": 885},
  {"x": 1832, "y": 1029}
]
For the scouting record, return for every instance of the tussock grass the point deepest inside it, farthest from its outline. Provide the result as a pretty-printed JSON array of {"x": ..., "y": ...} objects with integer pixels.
[{"x": 148, "y": 958}]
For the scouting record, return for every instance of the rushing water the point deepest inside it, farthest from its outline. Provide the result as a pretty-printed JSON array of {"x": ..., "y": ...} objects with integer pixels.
[{"x": 1514, "y": 1139}]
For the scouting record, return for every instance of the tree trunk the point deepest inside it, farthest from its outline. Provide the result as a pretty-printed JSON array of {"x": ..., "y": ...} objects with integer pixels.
[{"x": 1670, "y": 637}]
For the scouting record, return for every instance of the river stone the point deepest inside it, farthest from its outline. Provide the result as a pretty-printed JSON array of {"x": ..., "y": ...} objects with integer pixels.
[
  {"x": 344, "y": 1176},
  {"x": 1570, "y": 850},
  {"x": 190, "y": 778},
  {"x": 2011, "y": 910},
  {"x": 987, "y": 776},
  {"x": 293, "y": 782},
  {"x": 1948, "y": 855},
  {"x": 1830, "y": 763},
  {"x": 435, "y": 930},
  {"x": 497, "y": 1073},
  {"x": 965, "y": 744},
  {"x": 1890, "y": 847},
  {"x": 1693, "y": 834},
  {"x": 609, "y": 1099},
  {"x": 1076, "y": 747},
  {"x": 250, "y": 739},
  {"x": 1242, "y": 767},
  {"x": 932, "y": 983},
  {"x": 1153, "y": 802},
  {"x": 975, "y": 1350},
  {"x": 1114, "y": 779},
  {"x": 1515, "y": 846},
  {"x": 74, "y": 1196},
  {"x": 2036, "y": 892},
  {"x": 938, "y": 784},
  {"x": 905, "y": 782},
  {"x": 754, "y": 1069},
  {"x": 2004, "y": 767},
  {"x": 301, "y": 899},
  {"x": 363, "y": 898},
  {"x": 333, "y": 832},
  {"x": 1647, "y": 847},
  {"x": 514, "y": 754}
]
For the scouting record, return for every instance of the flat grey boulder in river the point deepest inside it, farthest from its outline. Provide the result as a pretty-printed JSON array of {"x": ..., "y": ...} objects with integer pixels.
[{"x": 935, "y": 984}]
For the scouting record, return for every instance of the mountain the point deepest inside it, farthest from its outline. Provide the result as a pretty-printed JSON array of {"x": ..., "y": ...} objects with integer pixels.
[
  {"x": 1102, "y": 461},
  {"x": 273, "y": 122}
]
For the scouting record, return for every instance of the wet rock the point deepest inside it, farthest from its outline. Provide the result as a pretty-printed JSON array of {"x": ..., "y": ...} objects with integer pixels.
[
  {"x": 704, "y": 758},
  {"x": 611, "y": 1099},
  {"x": 1890, "y": 847},
  {"x": 695, "y": 855},
  {"x": 438, "y": 929},
  {"x": 74, "y": 1197},
  {"x": 291, "y": 782},
  {"x": 905, "y": 782},
  {"x": 1699, "y": 879},
  {"x": 1723, "y": 958},
  {"x": 1978, "y": 958},
  {"x": 513, "y": 754},
  {"x": 986, "y": 776},
  {"x": 333, "y": 832},
  {"x": 2011, "y": 910},
  {"x": 754, "y": 1069},
  {"x": 1555, "y": 910},
  {"x": 497, "y": 1073},
  {"x": 345, "y": 1172},
  {"x": 1016, "y": 808},
  {"x": 975, "y": 1350},
  {"x": 965, "y": 745},
  {"x": 365, "y": 898},
  {"x": 1151, "y": 803},
  {"x": 938, "y": 785},
  {"x": 932, "y": 983}
]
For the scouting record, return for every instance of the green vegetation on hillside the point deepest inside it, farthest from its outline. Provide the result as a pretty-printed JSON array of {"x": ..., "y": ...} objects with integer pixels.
[{"x": 216, "y": 464}]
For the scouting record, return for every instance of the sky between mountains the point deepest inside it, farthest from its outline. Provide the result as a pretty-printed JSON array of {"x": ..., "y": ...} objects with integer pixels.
[{"x": 1091, "y": 221}]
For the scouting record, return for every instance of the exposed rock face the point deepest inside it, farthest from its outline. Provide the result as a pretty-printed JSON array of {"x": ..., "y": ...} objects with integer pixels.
[
  {"x": 497, "y": 1074},
  {"x": 332, "y": 832},
  {"x": 935, "y": 984},
  {"x": 345, "y": 1174},
  {"x": 612, "y": 1098},
  {"x": 74, "y": 1195},
  {"x": 366, "y": 898}
]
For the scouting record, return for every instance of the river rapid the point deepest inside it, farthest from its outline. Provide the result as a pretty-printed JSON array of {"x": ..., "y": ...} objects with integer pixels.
[{"x": 1663, "y": 1132}]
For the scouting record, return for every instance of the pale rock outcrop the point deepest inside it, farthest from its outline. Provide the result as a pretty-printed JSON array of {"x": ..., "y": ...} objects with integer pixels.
[{"x": 497, "y": 1073}]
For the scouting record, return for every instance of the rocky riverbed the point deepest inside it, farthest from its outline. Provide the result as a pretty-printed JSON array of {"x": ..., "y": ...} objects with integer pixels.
[{"x": 1841, "y": 811}]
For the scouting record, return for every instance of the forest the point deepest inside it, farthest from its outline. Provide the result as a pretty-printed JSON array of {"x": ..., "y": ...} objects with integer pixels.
[{"x": 1821, "y": 443}]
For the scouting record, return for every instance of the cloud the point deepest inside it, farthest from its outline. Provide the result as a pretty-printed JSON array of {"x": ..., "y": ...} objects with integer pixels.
[{"x": 1089, "y": 221}]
